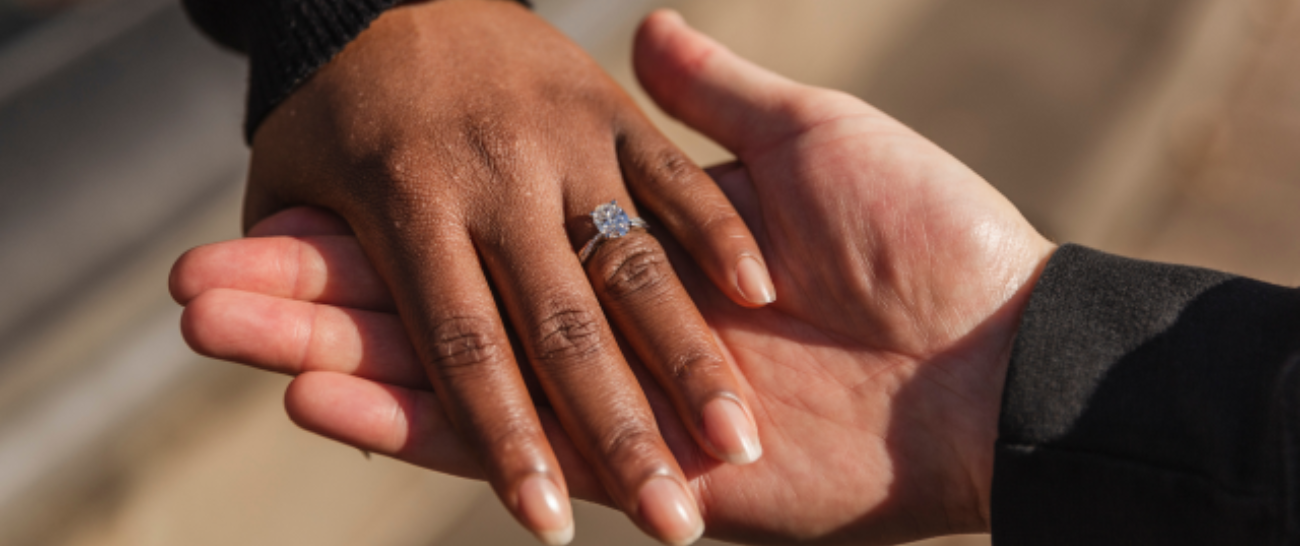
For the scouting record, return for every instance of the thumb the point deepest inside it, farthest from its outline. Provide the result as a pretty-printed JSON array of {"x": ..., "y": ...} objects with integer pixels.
[{"x": 697, "y": 80}]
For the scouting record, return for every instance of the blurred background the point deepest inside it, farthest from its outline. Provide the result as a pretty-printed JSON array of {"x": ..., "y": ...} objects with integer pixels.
[{"x": 1163, "y": 129}]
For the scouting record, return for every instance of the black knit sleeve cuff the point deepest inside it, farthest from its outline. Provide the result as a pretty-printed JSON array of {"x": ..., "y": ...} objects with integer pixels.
[
  {"x": 1148, "y": 404},
  {"x": 288, "y": 40}
]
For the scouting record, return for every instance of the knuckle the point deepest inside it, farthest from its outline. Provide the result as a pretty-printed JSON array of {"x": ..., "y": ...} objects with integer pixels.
[
  {"x": 670, "y": 168},
  {"x": 485, "y": 142},
  {"x": 636, "y": 266},
  {"x": 460, "y": 344},
  {"x": 693, "y": 365},
  {"x": 498, "y": 146},
  {"x": 395, "y": 169},
  {"x": 634, "y": 441},
  {"x": 568, "y": 334}
]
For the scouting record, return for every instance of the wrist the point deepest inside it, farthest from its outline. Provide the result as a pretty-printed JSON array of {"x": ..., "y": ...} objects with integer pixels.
[
  {"x": 989, "y": 392},
  {"x": 288, "y": 42}
]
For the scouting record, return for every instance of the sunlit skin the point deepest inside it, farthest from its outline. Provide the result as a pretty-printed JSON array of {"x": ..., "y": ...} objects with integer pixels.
[
  {"x": 875, "y": 377},
  {"x": 465, "y": 142}
]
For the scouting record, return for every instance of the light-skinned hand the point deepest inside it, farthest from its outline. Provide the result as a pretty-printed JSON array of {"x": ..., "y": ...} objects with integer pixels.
[{"x": 875, "y": 379}]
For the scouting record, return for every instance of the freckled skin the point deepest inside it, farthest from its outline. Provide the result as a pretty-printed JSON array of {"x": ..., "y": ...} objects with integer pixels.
[{"x": 460, "y": 140}]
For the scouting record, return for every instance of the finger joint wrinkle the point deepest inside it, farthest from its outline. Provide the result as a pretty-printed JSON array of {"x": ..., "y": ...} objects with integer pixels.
[
  {"x": 464, "y": 342},
  {"x": 567, "y": 335}
]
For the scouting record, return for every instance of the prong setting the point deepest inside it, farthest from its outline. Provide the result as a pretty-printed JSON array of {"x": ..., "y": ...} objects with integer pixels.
[{"x": 611, "y": 222}]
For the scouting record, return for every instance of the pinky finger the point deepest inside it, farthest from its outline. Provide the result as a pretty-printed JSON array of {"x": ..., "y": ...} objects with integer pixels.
[{"x": 697, "y": 213}]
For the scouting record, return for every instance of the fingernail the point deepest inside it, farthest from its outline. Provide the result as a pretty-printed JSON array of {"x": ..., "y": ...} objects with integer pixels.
[
  {"x": 668, "y": 509},
  {"x": 754, "y": 283},
  {"x": 545, "y": 511},
  {"x": 731, "y": 431}
]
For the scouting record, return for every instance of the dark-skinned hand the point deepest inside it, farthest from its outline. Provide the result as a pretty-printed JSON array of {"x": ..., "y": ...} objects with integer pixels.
[{"x": 465, "y": 142}]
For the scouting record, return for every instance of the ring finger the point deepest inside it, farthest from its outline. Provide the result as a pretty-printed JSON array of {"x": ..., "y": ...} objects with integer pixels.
[
  {"x": 591, "y": 388},
  {"x": 644, "y": 298}
]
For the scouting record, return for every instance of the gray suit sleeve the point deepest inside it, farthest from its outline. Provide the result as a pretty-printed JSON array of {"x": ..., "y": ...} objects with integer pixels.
[{"x": 1150, "y": 404}]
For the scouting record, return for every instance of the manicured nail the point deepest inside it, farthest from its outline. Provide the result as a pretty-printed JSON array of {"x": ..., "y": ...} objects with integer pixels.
[
  {"x": 754, "y": 283},
  {"x": 668, "y": 509},
  {"x": 731, "y": 431},
  {"x": 545, "y": 511}
]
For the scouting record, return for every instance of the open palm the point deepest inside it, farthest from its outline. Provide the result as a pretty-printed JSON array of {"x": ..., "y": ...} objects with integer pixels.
[
  {"x": 878, "y": 372},
  {"x": 875, "y": 378}
]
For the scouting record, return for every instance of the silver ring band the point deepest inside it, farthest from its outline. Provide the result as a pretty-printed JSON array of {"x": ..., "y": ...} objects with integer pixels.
[{"x": 611, "y": 222}]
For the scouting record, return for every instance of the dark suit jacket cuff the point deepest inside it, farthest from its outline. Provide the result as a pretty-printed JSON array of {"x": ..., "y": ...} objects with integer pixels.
[{"x": 1149, "y": 404}]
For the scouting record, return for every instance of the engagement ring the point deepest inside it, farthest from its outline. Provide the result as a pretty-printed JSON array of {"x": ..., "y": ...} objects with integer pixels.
[{"x": 611, "y": 222}]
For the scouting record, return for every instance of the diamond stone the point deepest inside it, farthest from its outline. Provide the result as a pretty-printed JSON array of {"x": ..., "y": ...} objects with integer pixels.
[{"x": 611, "y": 220}]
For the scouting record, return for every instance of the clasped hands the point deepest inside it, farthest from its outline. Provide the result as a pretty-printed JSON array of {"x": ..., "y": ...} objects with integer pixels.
[{"x": 445, "y": 154}]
